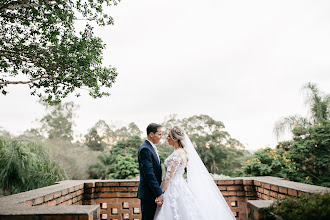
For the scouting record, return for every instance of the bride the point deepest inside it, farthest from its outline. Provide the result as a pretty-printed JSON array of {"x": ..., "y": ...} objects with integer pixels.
[{"x": 198, "y": 198}]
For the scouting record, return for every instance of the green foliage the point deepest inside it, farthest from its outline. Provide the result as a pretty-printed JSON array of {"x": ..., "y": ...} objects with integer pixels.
[
  {"x": 217, "y": 149},
  {"x": 309, "y": 206},
  {"x": 120, "y": 162},
  {"x": 269, "y": 162},
  {"x": 319, "y": 108},
  {"x": 126, "y": 167},
  {"x": 304, "y": 159},
  {"x": 75, "y": 158},
  {"x": 310, "y": 149},
  {"x": 39, "y": 44},
  {"x": 58, "y": 123},
  {"x": 94, "y": 141},
  {"x": 26, "y": 166}
]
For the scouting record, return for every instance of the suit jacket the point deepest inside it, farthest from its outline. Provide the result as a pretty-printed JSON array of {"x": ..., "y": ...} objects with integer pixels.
[{"x": 150, "y": 173}]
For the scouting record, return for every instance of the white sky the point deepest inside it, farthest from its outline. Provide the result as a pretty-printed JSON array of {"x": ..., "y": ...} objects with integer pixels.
[{"x": 241, "y": 62}]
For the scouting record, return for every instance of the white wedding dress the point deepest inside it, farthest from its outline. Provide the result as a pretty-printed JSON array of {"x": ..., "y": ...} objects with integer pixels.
[
  {"x": 198, "y": 198},
  {"x": 179, "y": 202}
]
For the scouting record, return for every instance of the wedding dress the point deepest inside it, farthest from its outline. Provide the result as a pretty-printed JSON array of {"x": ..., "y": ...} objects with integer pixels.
[{"x": 197, "y": 199}]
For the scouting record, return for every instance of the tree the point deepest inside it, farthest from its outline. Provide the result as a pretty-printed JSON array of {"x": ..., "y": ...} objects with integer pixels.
[
  {"x": 120, "y": 162},
  {"x": 58, "y": 123},
  {"x": 94, "y": 141},
  {"x": 213, "y": 144},
  {"x": 305, "y": 158},
  {"x": 319, "y": 108},
  {"x": 38, "y": 44},
  {"x": 26, "y": 166}
]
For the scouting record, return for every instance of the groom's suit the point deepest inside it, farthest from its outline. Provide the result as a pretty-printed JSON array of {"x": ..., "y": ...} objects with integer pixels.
[{"x": 150, "y": 180}]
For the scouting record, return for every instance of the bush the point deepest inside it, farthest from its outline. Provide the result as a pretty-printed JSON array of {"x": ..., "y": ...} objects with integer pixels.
[
  {"x": 26, "y": 166},
  {"x": 307, "y": 207}
]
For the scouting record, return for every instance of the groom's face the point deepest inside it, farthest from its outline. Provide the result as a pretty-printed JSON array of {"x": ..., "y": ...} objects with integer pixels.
[{"x": 157, "y": 136}]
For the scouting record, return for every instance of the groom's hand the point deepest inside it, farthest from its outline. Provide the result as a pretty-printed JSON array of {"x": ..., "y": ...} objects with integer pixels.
[{"x": 159, "y": 200}]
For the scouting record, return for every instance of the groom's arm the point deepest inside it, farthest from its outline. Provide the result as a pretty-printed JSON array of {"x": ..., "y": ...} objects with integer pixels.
[{"x": 148, "y": 171}]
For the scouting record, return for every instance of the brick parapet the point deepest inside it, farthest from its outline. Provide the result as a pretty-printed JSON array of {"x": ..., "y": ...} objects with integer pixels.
[{"x": 117, "y": 199}]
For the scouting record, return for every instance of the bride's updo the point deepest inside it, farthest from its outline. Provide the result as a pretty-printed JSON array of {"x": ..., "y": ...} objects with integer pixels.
[{"x": 177, "y": 133}]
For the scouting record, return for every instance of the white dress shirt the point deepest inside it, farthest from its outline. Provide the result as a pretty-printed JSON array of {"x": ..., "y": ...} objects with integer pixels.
[{"x": 154, "y": 146}]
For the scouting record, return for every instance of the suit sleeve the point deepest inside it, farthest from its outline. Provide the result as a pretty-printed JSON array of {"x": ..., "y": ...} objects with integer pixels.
[{"x": 148, "y": 171}]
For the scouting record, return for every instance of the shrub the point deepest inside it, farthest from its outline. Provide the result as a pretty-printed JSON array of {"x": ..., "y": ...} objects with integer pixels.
[{"x": 309, "y": 206}]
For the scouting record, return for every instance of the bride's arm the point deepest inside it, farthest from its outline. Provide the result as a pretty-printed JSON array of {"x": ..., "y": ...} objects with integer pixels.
[{"x": 176, "y": 160}]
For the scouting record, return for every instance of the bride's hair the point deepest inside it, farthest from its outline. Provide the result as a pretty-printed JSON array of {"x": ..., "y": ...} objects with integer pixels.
[{"x": 178, "y": 133}]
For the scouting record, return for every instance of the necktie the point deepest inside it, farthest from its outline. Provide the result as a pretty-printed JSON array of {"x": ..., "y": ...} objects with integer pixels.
[{"x": 157, "y": 153}]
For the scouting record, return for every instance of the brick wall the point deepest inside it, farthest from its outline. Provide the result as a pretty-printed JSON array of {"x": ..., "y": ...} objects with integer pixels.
[{"x": 117, "y": 199}]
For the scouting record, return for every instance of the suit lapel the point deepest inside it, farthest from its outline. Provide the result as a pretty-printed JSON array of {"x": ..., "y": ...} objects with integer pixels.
[{"x": 153, "y": 151}]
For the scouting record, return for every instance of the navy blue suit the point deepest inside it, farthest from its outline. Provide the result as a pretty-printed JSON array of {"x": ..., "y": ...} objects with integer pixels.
[{"x": 150, "y": 180}]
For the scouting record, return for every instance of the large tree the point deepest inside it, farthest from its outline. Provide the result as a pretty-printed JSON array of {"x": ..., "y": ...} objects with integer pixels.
[
  {"x": 39, "y": 47},
  {"x": 318, "y": 105}
]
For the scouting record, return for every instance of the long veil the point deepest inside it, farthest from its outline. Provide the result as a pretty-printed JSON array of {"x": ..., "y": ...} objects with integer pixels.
[{"x": 203, "y": 187}]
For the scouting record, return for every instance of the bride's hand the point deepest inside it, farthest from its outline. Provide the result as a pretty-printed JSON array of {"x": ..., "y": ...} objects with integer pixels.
[{"x": 159, "y": 200}]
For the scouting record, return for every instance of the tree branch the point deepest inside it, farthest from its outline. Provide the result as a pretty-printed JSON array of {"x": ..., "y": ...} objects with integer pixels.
[{"x": 26, "y": 82}]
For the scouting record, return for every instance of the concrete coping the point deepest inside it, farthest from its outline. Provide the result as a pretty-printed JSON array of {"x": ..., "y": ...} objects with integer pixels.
[
  {"x": 260, "y": 204},
  {"x": 14, "y": 204}
]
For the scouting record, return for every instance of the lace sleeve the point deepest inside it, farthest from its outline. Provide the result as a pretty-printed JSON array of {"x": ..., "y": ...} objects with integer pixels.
[{"x": 176, "y": 160}]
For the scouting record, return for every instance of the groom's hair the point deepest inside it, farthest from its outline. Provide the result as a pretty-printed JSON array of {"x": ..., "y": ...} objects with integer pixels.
[{"x": 153, "y": 127}]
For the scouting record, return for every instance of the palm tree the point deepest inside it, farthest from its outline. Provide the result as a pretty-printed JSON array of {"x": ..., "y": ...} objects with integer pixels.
[{"x": 319, "y": 108}]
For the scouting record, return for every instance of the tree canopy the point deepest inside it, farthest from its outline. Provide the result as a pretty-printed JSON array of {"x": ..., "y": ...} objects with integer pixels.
[{"x": 39, "y": 47}]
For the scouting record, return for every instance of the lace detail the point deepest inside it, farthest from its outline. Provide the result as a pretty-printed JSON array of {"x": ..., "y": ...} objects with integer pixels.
[{"x": 174, "y": 166}]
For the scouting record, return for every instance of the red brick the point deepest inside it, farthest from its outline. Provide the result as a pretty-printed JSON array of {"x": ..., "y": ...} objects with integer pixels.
[
  {"x": 111, "y": 184},
  {"x": 250, "y": 194},
  {"x": 38, "y": 201},
  {"x": 256, "y": 183},
  {"x": 119, "y": 189},
  {"x": 240, "y": 193},
  {"x": 88, "y": 190},
  {"x": 89, "y": 185},
  {"x": 238, "y": 182},
  {"x": 266, "y": 191},
  {"x": 127, "y": 184},
  {"x": 283, "y": 190},
  {"x": 126, "y": 194},
  {"x": 65, "y": 191},
  {"x": 274, "y": 188},
  {"x": 229, "y": 193},
  {"x": 67, "y": 197},
  {"x": 71, "y": 189},
  {"x": 248, "y": 182},
  {"x": 49, "y": 197},
  {"x": 88, "y": 196},
  {"x": 60, "y": 200},
  {"x": 273, "y": 194},
  {"x": 98, "y": 184},
  {"x": 76, "y": 188},
  {"x": 267, "y": 186},
  {"x": 102, "y": 189},
  {"x": 225, "y": 182},
  {"x": 292, "y": 192},
  {"x": 83, "y": 217},
  {"x": 222, "y": 188},
  {"x": 234, "y": 188},
  {"x": 132, "y": 189},
  {"x": 74, "y": 200},
  {"x": 248, "y": 188},
  {"x": 106, "y": 195},
  {"x": 57, "y": 194},
  {"x": 52, "y": 203},
  {"x": 29, "y": 203},
  {"x": 265, "y": 197},
  {"x": 280, "y": 196}
]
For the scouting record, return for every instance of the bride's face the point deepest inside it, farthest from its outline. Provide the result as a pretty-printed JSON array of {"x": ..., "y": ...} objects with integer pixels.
[{"x": 170, "y": 140}]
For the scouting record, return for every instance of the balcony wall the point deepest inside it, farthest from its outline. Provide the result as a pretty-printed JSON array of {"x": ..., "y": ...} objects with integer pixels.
[{"x": 117, "y": 199}]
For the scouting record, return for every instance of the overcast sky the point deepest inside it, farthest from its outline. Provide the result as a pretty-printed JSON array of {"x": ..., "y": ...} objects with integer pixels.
[{"x": 241, "y": 62}]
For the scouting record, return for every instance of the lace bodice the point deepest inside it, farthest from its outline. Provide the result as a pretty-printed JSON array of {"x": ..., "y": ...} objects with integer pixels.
[{"x": 175, "y": 165}]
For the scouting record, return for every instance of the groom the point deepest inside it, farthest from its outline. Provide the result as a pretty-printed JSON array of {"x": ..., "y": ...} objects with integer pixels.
[{"x": 149, "y": 191}]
